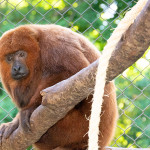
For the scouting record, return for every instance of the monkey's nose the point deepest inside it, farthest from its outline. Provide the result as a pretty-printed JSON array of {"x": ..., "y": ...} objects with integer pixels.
[
  {"x": 16, "y": 69},
  {"x": 19, "y": 71}
]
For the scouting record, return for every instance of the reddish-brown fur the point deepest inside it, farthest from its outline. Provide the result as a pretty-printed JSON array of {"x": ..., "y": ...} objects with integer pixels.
[{"x": 54, "y": 54}]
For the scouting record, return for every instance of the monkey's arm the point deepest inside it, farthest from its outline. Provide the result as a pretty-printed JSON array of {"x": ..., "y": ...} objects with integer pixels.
[
  {"x": 22, "y": 118},
  {"x": 25, "y": 113},
  {"x": 35, "y": 101}
]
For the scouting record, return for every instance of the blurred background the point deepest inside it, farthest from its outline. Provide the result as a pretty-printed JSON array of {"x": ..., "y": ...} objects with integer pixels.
[{"x": 96, "y": 20}]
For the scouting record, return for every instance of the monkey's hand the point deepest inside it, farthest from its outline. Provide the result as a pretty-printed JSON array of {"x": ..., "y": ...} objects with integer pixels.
[
  {"x": 24, "y": 119},
  {"x": 6, "y": 129}
]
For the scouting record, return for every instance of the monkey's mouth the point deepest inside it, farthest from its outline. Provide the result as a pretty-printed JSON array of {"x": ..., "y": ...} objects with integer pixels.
[{"x": 19, "y": 76}]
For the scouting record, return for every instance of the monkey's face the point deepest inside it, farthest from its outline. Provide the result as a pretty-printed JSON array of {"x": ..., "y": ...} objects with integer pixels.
[
  {"x": 19, "y": 57},
  {"x": 20, "y": 64},
  {"x": 17, "y": 62}
]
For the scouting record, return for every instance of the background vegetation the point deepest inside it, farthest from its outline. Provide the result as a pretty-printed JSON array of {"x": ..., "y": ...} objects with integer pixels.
[{"x": 96, "y": 20}]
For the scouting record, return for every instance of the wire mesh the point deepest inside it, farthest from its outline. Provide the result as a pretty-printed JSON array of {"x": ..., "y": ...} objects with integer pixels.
[{"x": 96, "y": 20}]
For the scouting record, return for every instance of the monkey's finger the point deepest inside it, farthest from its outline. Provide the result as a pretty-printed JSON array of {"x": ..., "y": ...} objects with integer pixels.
[
  {"x": 0, "y": 140},
  {"x": 27, "y": 126},
  {"x": 28, "y": 114},
  {"x": 2, "y": 130},
  {"x": 9, "y": 130},
  {"x": 25, "y": 121}
]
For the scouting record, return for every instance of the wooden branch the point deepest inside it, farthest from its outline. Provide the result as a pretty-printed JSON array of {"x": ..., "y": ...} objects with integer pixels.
[
  {"x": 116, "y": 148},
  {"x": 62, "y": 97},
  {"x": 131, "y": 46}
]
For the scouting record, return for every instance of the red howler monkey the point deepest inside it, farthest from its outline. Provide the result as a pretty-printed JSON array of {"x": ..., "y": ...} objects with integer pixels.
[{"x": 34, "y": 57}]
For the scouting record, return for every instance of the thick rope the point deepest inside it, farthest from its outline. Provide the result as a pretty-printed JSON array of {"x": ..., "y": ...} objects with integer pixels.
[{"x": 101, "y": 73}]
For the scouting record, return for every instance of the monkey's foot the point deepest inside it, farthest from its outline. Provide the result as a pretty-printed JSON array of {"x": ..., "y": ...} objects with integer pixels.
[{"x": 6, "y": 129}]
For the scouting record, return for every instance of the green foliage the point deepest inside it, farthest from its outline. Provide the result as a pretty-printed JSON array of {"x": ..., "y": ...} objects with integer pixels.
[
  {"x": 96, "y": 21},
  {"x": 134, "y": 105}
]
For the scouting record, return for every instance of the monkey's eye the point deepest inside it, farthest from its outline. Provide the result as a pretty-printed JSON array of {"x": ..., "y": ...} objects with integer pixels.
[
  {"x": 9, "y": 58},
  {"x": 21, "y": 54}
]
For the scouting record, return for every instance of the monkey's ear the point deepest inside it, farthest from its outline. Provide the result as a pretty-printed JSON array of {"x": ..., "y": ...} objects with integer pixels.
[{"x": 35, "y": 33}]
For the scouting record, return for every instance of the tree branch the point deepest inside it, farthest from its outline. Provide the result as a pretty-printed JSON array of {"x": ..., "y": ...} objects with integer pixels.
[
  {"x": 116, "y": 148},
  {"x": 62, "y": 97}
]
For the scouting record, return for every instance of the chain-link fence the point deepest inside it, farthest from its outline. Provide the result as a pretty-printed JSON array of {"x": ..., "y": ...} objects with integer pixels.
[{"x": 96, "y": 20}]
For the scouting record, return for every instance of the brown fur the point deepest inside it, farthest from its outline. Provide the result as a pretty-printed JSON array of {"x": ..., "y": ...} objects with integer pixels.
[{"x": 54, "y": 54}]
